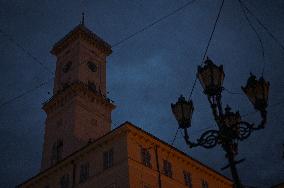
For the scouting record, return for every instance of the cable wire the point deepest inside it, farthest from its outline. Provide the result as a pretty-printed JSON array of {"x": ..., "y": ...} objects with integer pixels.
[
  {"x": 25, "y": 93},
  {"x": 208, "y": 44},
  {"x": 244, "y": 10},
  {"x": 153, "y": 23},
  {"x": 264, "y": 27},
  {"x": 11, "y": 39},
  {"x": 231, "y": 92},
  {"x": 114, "y": 45}
]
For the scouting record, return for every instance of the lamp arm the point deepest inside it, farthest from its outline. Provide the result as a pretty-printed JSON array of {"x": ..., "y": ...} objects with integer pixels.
[
  {"x": 187, "y": 141},
  {"x": 246, "y": 128},
  {"x": 216, "y": 107},
  {"x": 208, "y": 139},
  {"x": 263, "y": 114}
]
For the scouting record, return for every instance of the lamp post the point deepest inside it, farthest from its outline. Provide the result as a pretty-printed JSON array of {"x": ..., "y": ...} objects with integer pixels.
[{"x": 231, "y": 127}]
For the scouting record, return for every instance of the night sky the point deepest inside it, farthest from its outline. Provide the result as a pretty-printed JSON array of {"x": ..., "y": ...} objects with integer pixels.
[{"x": 145, "y": 74}]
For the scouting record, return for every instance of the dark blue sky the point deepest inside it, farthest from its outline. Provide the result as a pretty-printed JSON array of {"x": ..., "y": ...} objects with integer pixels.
[{"x": 145, "y": 74}]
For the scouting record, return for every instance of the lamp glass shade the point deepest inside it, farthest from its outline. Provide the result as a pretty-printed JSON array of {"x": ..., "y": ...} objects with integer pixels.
[
  {"x": 182, "y": 111},
  {"x": 231, "y": 119},
  {"x": 211, "y": 78},
  {"x": 257, "y": 92}
]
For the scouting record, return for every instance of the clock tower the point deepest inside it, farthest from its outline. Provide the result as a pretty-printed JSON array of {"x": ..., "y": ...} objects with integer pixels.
[{"x": 79, "y": 110}]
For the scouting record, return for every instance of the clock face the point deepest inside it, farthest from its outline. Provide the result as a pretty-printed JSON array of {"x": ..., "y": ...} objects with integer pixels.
[
  {"x": 92, "y": 66},
  {"x": 67, "y": 67}
]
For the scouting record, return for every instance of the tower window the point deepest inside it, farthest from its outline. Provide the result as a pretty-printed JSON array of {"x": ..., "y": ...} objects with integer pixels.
[
  {"x": 84, "y": 172},
  {"x": 92, "y": 66},
  {"x": 187, "y": 179},
  {"x": 92, "y": 86},
  {"x": 67, "y": 67},
  {"x": 64, "y": 181},
  {"x": 57, "y": 150},
  {"x": 204, "y": 184},
  {"x": 168, "y": 168},
  {"x": 108, "y": 159},
  {"x": 146, "y": 157}
]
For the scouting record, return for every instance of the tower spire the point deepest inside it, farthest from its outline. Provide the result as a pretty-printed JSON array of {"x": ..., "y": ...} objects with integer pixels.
[{"x": 83, "y": 18}]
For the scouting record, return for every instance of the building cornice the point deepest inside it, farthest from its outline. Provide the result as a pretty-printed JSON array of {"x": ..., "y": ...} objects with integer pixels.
[
  {"x": 175, "y": 153},
  {"x": 82, "y": 32},
  {"x": 75, "y": 89}
]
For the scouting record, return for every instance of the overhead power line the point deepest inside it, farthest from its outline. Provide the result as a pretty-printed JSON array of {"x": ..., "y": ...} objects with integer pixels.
[
  {"x": 153, "y": 23},
  {"x": 116, "y": 44},
  {"x": 263, "y": 26},
  {"x": 208, "y": 44},
  {"x": 11, "y": 39},
  {"x": 244, "y": 10},
  {"x": 25, "y": 93}
]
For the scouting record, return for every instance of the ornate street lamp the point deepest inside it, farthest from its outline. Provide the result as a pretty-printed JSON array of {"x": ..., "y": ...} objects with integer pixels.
[
  {"x": 231, "y": 128},
  {"x": 211, "y": 78},
  {"x": 183, "y": 112}
]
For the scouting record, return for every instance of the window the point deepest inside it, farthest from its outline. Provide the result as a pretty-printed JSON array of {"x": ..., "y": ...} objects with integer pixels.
[
  {"x": 67, "y": 67},
  {"x": 167, "y": 168},
  {"x": 187, "y": 179},
  {"x": 56, "y": 153},
  {"x": 84, "y": 172},
  {"x": 204, "y": 184},
  {"x": 146, "y": 157},
  {"x": 146, "y": 186},
  {"x": 64, "y": 181},
  {"x": 92, "y": 86},
  {"x": 92, "y": 66},
  {"x": 108, "y": 159}
]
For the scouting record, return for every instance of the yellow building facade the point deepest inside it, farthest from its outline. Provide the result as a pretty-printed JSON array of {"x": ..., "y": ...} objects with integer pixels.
[
  {"x": 128, "y": 168},
  {"x": 81, "y": 151}
]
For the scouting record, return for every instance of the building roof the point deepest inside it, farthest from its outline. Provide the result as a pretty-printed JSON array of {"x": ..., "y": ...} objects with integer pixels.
[
  {"x": 81, "y": 31},
  {"x": 278, "y": 185},
  {"x": 123, "y": 125}
]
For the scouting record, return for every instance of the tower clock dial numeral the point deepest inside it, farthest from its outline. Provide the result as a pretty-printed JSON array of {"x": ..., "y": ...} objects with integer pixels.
[{"x": 92, "y": 66}]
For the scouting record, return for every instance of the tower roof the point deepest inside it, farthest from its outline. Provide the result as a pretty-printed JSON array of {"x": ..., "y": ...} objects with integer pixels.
[{"x": 82, "y": 32}]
